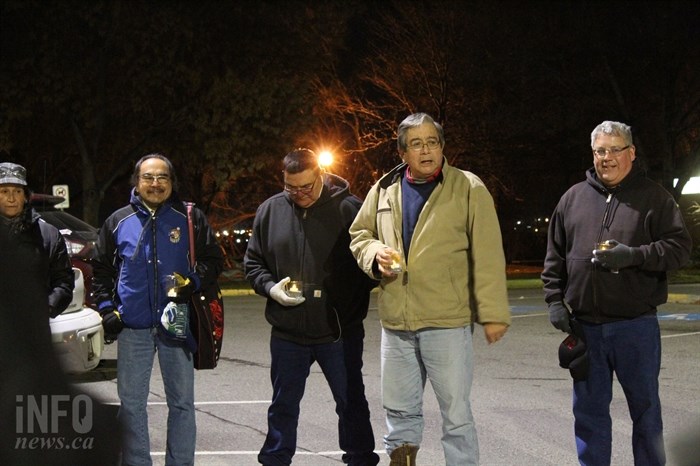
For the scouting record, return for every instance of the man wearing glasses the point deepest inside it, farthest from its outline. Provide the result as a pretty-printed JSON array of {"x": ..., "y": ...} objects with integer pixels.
[
  {"x": 429, "y": 231},
  {"x": 298, "y": 258},
  {"x": 612, "y": 239},
  {"x": 138, "y": 246}
]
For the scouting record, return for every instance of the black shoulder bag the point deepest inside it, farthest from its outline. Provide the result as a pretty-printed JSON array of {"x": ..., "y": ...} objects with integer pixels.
[{"x": 206, "y": 314}]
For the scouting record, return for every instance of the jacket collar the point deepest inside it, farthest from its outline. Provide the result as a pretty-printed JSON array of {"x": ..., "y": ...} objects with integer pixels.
[
  {"x": 635, "y": 174},
  {"x": 172, "y": 201},
  {"x": 398, "y": 172}
]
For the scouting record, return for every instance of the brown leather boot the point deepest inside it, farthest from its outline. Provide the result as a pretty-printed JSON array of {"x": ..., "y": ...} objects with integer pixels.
[{"x": 405, "y": 455}]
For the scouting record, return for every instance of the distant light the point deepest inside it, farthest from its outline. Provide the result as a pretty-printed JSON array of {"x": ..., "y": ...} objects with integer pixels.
[
  {"x": 225, "y": 232},
  {"x": 691, "y": 187},
  {"x": 325, "y": 159}
]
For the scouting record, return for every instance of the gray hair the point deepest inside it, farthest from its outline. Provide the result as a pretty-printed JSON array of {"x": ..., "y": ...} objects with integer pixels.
[
  {"x": 413, "y": 121},
  {"x": 612, "y": 128}
]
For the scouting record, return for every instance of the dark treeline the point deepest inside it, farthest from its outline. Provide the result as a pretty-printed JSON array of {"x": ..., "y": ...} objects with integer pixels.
[{"x": 226, "y": 88}]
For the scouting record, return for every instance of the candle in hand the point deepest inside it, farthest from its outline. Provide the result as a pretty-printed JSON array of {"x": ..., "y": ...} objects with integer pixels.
[{"x": 294, "y": 289}]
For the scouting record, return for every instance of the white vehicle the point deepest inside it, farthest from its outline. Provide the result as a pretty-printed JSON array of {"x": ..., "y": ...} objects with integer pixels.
[{"x": 77, "y": 334}]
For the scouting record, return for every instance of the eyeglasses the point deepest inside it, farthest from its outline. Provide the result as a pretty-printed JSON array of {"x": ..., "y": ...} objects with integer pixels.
[
  {"x": 417, "y": 146},
  {"x": 306, "y": 189},
  {"x": 613, "y": 151},
  {"x": 150, "y": 178},
  {"x": 18, "y": 172}
]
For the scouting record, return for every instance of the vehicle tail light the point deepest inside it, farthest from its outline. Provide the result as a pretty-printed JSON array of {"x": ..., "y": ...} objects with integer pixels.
[{"x": 74, "y": 248}]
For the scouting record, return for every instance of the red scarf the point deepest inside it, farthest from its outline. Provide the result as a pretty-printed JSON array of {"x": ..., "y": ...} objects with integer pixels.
[{"x": 429, "y": 179}]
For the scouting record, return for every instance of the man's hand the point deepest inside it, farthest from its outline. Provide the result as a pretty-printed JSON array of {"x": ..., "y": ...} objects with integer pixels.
[
  {"x": 384, "y": 260},
  {"x": 184, "y": 293},
  {"x": 617, "y": 257},
  {"x": 559, "y": 316},
  {"x": 494, "y": 331},
  {"x": 53, "y": 312},
  {"x": 111, "y": 322},
  {"x": 278, "y": 294}
]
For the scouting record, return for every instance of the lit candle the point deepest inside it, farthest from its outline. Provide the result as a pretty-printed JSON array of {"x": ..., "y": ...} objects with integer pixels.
[
  {"x": 396, "y": 263},
  {"x": 294, "y": 289}
]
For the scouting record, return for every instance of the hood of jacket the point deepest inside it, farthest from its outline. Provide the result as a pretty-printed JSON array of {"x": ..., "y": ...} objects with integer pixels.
[{"x": 632, "y": 177}]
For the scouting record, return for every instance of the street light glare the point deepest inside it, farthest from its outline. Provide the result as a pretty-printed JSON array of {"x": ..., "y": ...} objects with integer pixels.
[
  {"x": 691, "y": 187},
  {"x": 325, "y": 159}
]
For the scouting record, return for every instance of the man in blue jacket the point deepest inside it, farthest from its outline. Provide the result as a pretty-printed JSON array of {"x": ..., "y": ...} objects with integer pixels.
[
  {"x": 614, "y": 290},
  {"x": 139, "y": 245},
  {"x": 301, "y": 234}
]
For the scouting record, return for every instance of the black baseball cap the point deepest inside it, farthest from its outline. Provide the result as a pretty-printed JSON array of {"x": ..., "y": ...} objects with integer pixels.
[{"x": 573, "y": 356}]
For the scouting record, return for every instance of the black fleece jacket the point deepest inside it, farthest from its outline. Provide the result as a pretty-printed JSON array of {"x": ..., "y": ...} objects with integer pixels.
[
  {"x": 638, "y": 213},
  {"x": 311, "y": 245}
]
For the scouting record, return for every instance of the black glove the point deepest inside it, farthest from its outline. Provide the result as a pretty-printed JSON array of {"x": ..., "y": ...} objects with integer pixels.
[
  {"x": 184, "y": 293},
  {"x": 617, "y": 257},
  {"x": 111, "y": 322},
  {"x": 559, "y": 316},
  {"x": 53, "y": 312}
]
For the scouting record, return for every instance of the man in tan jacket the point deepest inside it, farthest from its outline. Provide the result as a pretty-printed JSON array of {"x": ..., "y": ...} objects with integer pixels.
[{"x": 429, "y": 231}]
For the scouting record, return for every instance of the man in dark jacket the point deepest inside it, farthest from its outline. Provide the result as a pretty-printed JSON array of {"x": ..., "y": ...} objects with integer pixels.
[
  {"x": 138, "y": 246},
  {"x": 614, "y": 289},
  {"x": 37, "y": 282},
  {"x": 301, "y": 235},
  {"x": 33, "y": 251}
]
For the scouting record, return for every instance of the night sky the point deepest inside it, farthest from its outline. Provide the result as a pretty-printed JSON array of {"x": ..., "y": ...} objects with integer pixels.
[{"x": 226, "y": 88}]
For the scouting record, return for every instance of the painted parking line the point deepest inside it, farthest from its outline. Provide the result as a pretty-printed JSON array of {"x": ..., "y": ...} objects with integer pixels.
[
  {"x": 201, "y": 403},
  {"x": 691, "y": 316},
  {"x": 525, "y": 309},
  {"x": 676, "y": 335},
  {"x": 321, "y": 454},
  {"x": 532, "y": 311}
]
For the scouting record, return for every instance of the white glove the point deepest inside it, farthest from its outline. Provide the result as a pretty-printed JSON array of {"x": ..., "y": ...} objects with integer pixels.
[{"x": 278, "y": 294}]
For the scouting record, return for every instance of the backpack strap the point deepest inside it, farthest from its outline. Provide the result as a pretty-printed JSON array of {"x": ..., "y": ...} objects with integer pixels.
[{"x": 190, "y": 228}]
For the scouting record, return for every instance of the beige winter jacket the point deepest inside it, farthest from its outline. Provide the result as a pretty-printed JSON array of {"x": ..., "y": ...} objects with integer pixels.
[{"x": 455, "y": 272}]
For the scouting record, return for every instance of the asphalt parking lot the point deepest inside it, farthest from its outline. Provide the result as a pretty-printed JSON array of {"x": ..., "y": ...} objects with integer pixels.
[{"x": 521, "y": 399}]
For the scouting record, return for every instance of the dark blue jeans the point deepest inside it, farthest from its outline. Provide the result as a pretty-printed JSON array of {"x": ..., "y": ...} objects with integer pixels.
[
  {"x": 355, "y": 432},
  {"x": 632, "y": 350},
  {"x": 291, "y": 364}
]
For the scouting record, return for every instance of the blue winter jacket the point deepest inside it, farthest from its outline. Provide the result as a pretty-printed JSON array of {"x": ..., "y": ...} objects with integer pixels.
[{"x": 136, "y": 250}]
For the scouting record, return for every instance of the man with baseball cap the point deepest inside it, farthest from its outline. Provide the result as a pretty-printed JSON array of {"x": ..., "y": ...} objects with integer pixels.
[
  {"x": 32, "y": 251},
  {"x": 36, "y": 281}
]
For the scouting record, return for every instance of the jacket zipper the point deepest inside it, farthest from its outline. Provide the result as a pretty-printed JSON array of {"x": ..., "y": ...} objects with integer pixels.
[
  {"x": 608, "y": 205},
  {"x": 596, "y": 280},
  {"x": 303, "y": 246},
  {"x": 155, "y": 270}
]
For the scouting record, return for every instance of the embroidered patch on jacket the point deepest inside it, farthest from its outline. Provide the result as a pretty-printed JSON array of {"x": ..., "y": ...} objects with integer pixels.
[{"x": 175, "y": 235}]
